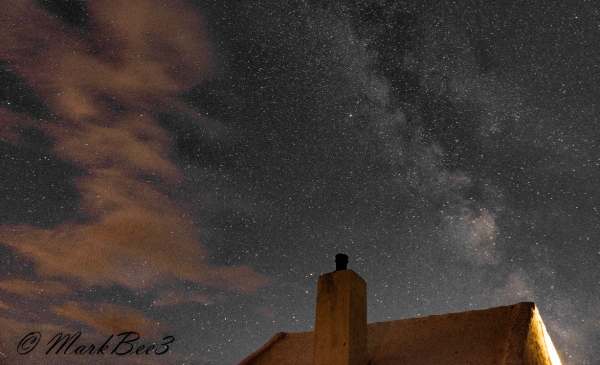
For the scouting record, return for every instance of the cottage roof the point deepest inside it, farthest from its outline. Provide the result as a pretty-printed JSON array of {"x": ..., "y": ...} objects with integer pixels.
[{"x": 513, "y": 334}]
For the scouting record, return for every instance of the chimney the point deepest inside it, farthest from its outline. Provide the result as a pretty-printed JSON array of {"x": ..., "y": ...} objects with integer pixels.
[{"x": 340, "y": 336}]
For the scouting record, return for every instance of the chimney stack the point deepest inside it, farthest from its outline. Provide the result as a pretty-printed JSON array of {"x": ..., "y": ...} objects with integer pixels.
[{"x": 341, "y": 320}]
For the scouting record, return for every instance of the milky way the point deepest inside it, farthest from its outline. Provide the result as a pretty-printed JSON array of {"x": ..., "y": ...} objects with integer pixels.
[{"x": 190, "y": 168}]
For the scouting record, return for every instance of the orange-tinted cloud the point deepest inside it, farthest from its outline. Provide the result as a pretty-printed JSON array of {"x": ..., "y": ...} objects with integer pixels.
[
  {"x": 139, "y": 55},
  {"x": 108, "y": 318},
  {"x": 4, "y": 306},
  {"x": 175, "y": 297},
  {"x": 138, "y": 239},
  {"x": 32, "y": 288},
  {"x": 13, "y": 331},
  {"x": 104, "y": 90}
]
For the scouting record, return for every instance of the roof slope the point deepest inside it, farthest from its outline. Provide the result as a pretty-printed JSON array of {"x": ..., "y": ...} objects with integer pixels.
[{"x": 508, "y": 335}]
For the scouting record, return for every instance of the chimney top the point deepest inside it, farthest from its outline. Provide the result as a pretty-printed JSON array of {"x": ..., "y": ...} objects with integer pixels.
[
  {"x": 340, "y": 336},
  {"x": 341, "y": 262}
]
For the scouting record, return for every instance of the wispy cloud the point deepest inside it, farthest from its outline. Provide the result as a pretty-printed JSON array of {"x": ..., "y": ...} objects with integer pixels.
[{"x": 104, "y": 91}]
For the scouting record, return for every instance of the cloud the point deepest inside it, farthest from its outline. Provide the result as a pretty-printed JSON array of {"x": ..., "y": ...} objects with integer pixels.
[
  {"x": 104, "y": 89},
  {"x": 175, "y": 297},
  {"x": 32, "y": 288},
  {"x": 13, "y": 331},
  {"x": 104, "y": 92},
  {"x": 109, "y": 318},
  {"x": 4, "y": 306},
  {"x": 137, "y": 239}
]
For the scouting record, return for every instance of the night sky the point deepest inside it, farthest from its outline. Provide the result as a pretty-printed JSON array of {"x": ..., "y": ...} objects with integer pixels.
[{"x": 190, "y": 168}]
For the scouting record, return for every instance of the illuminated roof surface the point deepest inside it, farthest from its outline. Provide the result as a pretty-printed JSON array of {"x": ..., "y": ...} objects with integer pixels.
[{"x": 512, "y": 334}]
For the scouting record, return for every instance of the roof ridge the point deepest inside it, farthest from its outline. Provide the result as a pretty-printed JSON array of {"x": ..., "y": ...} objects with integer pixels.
[
  {"x": 519, "y": 304},
  {"x": 514, "y": 329}
]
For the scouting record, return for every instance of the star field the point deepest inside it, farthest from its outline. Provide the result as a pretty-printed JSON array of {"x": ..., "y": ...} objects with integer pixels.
[{"x": 221, "y": 154}]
